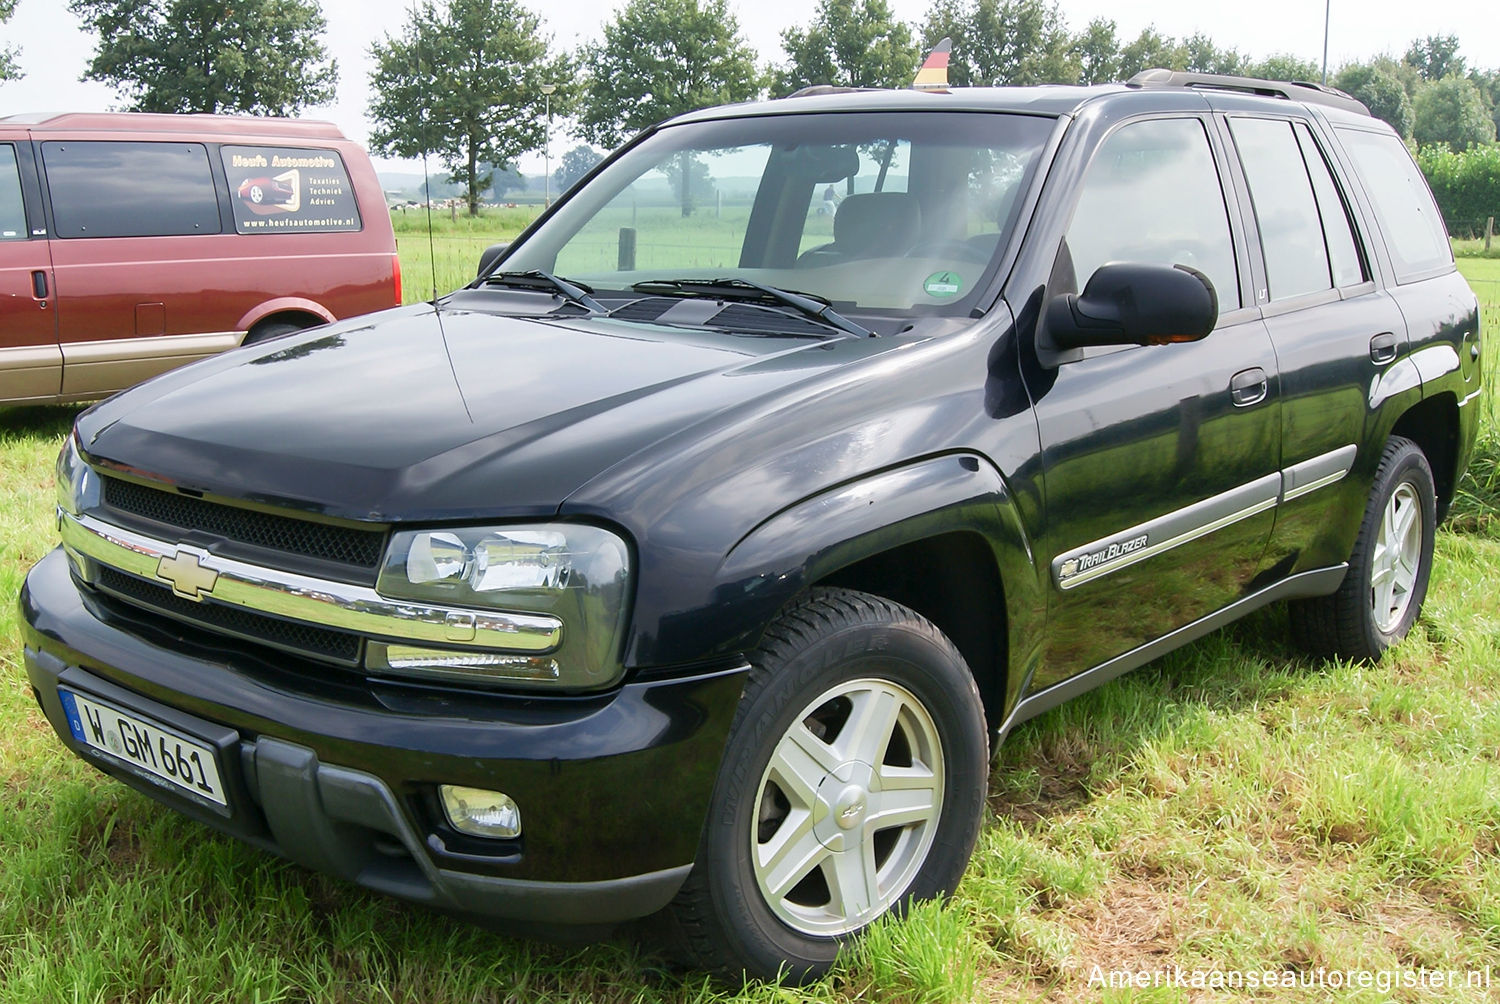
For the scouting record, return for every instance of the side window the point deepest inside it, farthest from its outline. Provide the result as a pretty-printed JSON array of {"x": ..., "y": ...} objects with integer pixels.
[
  {"x": 1343, "y": 251},
  {"x": 12, "y": 209},
  {"x": 289, "y": 190},
  {"x": 1408, "y": 218},
  {"x": 1291, "y": 233},
  {"x": 1153, "y": 195},
  {"x": 102, "y": 189}
]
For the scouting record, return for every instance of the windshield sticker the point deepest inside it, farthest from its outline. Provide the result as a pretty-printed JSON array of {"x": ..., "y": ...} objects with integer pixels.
[{"x": 943, "y": 284}]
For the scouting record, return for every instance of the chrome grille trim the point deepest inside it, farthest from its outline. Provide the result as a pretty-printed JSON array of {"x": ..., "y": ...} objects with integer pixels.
[{"x": 321, "y": 602}]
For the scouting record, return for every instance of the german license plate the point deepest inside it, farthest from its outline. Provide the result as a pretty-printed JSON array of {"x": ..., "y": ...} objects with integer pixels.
[{"x": 147, "y": 746}]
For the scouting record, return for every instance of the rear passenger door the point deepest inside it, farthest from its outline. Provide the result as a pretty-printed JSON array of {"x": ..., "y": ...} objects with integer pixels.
[
  {"x": 1338, "y": 337},
  {"x": 30, "y": 361}
]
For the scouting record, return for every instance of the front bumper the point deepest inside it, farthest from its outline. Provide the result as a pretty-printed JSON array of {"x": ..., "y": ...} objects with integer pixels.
[{"x": 338, "y": 772}]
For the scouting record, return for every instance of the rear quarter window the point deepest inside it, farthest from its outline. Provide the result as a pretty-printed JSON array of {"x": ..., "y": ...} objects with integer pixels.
[
  {"x": 289, "y": 190},
  {"x": 107, "y": 189},
  {"x": 1407, "y": 216}
]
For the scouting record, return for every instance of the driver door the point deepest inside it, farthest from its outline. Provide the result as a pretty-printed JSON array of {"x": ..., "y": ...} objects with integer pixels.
[{"x": 1160, "y": 462}]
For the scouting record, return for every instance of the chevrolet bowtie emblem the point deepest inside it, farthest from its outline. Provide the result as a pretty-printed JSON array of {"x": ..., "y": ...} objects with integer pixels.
[{"x": 186, "y": 572}]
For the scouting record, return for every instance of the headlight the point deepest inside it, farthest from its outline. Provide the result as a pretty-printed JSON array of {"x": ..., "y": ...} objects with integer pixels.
[
  {"x": 580, "y": 574},
  {"x": 77, "y": 485}
]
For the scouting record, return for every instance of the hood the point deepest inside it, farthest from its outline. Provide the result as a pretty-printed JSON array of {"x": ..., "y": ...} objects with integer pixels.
[{"x": 406, "y": 415}]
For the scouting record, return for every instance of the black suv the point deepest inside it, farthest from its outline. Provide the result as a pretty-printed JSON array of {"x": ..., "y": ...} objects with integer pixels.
[{"x": 694, "y": 556}]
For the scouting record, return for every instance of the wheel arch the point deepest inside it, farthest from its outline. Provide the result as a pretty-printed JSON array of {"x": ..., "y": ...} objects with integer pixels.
[
  {"x": 941, "y": 536},
  {"x": 1433, "y": 424},
  {"x": 285, "y": 310}
]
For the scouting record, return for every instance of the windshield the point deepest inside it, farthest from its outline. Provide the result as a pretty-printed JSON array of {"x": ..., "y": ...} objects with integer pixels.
[{"x": 900, "y": 212}]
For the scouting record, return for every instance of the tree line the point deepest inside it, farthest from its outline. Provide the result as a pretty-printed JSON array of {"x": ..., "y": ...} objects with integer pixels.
[{"x": 463, "y": 80}]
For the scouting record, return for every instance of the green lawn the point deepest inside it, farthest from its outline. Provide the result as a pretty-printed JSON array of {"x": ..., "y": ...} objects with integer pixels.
[{"x": 1232, "y": 806}]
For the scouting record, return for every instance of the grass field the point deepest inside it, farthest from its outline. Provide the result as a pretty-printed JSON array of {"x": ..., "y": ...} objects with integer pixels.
[{"x": 1234, "y": 806}]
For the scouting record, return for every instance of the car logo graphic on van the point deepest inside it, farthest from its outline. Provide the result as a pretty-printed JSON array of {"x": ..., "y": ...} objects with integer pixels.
[{"x": 188, "y": 576}]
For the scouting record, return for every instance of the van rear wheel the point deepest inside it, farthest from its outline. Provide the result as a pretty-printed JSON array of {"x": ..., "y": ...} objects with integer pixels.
[{"x": 266, "y": 330}]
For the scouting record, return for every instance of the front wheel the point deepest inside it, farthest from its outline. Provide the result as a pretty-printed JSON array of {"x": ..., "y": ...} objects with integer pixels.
[
  {"x": 1388, "y": 570},
  {"x": 853, "y": 781}
]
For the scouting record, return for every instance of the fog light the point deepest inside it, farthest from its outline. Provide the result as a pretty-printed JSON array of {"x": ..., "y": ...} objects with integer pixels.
[{"x": 481, "y": 813}]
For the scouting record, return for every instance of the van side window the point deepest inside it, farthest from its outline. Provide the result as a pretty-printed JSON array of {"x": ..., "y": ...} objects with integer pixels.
[
  {"x": 12, "y": 209},
  {"x": 1343, "y": 249},
  {"x": 289, "y": 190},
  {"x": 1291, "y": 233},
  {"x": 1152, "y": 195},
  {"x": 102, "y": 189},
  {"x": 1409, "y": 220}
]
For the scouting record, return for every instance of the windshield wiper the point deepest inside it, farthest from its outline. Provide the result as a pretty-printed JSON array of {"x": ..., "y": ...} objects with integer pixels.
[
  {"x": 806, "y": 304},
  {"x": 546, "y": 282}
]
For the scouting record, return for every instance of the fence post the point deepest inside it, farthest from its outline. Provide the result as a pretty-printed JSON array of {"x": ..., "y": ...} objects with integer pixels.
[
  {"x": 1489, "y": 231},
  {"x": 626, "y": 257}
]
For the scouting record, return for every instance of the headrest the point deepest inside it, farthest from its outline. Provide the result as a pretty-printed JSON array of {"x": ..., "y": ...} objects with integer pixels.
[{"x": 877, "y": 223}]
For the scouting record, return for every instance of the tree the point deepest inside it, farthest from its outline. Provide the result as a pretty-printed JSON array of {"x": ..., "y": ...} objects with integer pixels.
[
  {"x": 574, "y": 165},
  {"x": 253, "y": 56},
  {"x": 8, "y": 68},
  {"x": 661, "y": 58},
  {"x": 1097, "y": 51},
  {"x": 1451, "y": 111},
  {"x": 1203, "y": 56},
  {"x": 1377, "y": 85},
  {"x": 1284, "y": 66},
  {"x": 1151, "y": 49},
  {"x": 463, "y": 81},
  {"x": 1435, "y": 57},
  {"x": 1488, "y": 82},
  {"x": 849, "y": 43},
  {"x": 1003, "y": 42}
]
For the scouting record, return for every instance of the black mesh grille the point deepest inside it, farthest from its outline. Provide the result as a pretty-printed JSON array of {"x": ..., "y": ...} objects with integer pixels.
[
  {"x": 320, "y": 643},
  {"x": 344, "y": 545},
  {"x": 751, "y": 318},
  {"x": 646, "y": 309}
]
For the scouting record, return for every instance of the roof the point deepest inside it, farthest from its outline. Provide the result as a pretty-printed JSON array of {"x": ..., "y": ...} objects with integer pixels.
[{"x": 219, "y": 125}]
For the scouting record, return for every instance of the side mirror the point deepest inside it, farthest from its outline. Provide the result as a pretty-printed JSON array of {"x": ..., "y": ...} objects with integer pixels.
[
  {"x": 490, "y": 254},
  {"x": 1129, "y": 304}
]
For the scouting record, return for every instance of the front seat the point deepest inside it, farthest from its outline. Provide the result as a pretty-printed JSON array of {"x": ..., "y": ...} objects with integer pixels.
[{"x": 871, "y": 225}]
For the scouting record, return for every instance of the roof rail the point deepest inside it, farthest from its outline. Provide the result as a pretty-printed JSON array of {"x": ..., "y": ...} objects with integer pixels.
[
  {"x": 815, "y": 89},
  {"x": 1292, "y": 90}
]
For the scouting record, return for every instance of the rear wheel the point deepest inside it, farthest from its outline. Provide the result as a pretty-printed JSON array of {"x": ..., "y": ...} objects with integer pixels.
[
  {"x": 1388, "y": 570},
  {"x": 853, "y": 782},
  {"x": 270, "y": 329}
]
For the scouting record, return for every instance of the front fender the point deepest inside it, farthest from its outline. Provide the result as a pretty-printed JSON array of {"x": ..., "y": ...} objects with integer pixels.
[{"x": 806, "y": 543}]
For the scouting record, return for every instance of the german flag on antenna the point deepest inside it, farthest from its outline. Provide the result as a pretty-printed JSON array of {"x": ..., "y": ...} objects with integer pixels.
[{"x": 933, "y": 76}]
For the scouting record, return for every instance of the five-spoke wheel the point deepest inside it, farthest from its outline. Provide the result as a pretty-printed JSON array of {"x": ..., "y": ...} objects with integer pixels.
[{"x": 853, "y": 782}]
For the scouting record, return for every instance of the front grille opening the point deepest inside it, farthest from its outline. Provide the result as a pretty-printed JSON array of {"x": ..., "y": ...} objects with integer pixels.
[
  {"x": 304, "y": 639},
  {"x": 182, "y": 513}
]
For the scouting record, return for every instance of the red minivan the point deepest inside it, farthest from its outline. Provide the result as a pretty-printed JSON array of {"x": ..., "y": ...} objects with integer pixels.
[{"x": 133, "y": 243}]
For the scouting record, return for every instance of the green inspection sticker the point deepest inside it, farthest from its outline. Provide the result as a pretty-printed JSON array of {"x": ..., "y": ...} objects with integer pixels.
[{"x": 943, "y": 284}]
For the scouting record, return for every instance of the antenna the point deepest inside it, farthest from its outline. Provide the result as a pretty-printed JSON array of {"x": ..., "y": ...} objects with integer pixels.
[{"x": 425, "y": 127}]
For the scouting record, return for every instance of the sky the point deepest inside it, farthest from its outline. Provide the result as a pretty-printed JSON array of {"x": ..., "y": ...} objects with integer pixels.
[{"x": 55, "y": 50}]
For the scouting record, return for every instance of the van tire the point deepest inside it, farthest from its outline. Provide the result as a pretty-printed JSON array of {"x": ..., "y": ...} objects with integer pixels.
[{"x": 266, "y": 330}]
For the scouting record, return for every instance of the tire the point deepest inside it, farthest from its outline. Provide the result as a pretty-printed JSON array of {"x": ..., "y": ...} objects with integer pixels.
[
  {"x": 267, "y": 330},
  {"x": 800, "y": 775},
  {"x": 1383, "y": 591}
]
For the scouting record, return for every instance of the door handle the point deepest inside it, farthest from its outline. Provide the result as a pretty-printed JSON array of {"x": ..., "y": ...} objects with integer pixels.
[
  {"x": 1248, "y": 387},
  {"x": 39, "y": 284},
  {"x": 1383, "y": 348}
]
